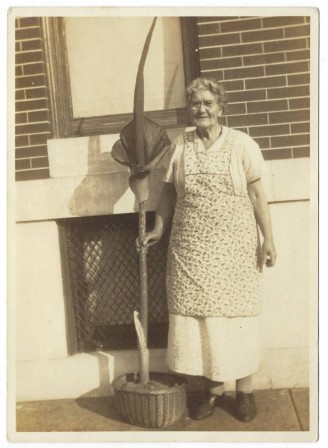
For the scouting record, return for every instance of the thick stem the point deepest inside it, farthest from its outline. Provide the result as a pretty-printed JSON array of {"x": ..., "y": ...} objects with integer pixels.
[{"x": 144, "y": 369}]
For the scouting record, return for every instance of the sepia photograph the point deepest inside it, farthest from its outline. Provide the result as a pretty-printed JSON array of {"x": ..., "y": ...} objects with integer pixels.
[{"x": 163, "y": 207}]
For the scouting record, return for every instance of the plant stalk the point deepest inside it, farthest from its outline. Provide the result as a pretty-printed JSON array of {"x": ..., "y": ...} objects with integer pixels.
[{"x": 144, "y": 367}]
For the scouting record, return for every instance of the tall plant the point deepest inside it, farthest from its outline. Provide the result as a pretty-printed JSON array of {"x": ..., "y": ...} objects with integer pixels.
[{"x": 142, "y": 144}]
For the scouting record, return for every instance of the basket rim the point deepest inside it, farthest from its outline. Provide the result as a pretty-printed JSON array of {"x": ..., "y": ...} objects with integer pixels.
[{"x": 117, "y": 384}]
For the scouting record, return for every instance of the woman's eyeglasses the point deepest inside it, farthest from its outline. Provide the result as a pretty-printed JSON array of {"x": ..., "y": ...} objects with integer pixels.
[{"x": 195, "y": 105}]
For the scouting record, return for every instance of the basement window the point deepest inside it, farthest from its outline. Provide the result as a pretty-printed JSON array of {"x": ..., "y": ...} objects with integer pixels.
[{"x": 101, "y": 274}]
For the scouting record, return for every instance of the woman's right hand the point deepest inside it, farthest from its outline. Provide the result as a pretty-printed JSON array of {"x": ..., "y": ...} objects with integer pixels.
[{"x": 150, "y": 239}]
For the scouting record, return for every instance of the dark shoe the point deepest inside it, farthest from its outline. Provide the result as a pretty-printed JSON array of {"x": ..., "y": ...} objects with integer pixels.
[
  {"x": 206, "y": 408},
  {"x": 246, "y": 409}
]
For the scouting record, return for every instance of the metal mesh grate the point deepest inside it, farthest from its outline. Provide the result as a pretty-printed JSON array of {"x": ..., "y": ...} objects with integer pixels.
[{"x": 104, "y": 274}]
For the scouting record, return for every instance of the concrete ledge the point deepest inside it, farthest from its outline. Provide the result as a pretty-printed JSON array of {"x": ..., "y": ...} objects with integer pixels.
[
  {"x": 109, "y": 193},
  {"x": 91, "y": 374},
  {"x": 70, "y": 197}
]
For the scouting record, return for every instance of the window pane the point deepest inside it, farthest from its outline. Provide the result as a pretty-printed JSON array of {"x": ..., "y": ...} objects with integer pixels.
[{"x": 104, "y": 53}]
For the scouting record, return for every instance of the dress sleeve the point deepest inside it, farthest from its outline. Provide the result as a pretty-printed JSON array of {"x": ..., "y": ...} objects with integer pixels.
[{"x": 253, "y": 162}]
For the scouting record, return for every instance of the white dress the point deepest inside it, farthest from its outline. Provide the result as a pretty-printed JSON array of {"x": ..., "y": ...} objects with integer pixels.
[{"x": 213, "y": 275}]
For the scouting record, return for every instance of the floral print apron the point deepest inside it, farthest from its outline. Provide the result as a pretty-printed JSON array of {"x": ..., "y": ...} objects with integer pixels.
[{"x": 212, "y": 267}]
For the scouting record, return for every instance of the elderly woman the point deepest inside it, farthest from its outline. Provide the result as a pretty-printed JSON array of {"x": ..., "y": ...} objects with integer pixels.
[{"x": 213, "y": 188}]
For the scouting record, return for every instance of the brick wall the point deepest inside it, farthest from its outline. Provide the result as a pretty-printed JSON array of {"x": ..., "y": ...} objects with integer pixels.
[
  {"x": 264, "y": 64},
  {"x": 33, "y": 124}
]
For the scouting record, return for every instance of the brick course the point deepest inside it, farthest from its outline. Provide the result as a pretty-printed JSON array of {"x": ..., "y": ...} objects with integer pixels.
[
  {"x": 274, "y": 81},
  {"x": 244, "y": 49},
  {"x": 289, "y": 92},
  {"x": 285, "y": 45},
  {"x": 276, "y": 154},
  {"x": 303, "y": 151},
  {"x": 271, "y": 22},
  {"x": 33, "y": 122},
  {"x": 264, "y": 64},
  {"x": 31, "y": 151}
]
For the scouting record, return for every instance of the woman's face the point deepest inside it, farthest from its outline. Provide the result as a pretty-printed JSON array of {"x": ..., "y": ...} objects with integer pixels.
[{"x": 204, "y": 109}]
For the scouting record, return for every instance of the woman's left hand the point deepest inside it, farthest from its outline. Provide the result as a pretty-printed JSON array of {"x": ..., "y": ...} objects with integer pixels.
[{"x": 269, "y": 254}]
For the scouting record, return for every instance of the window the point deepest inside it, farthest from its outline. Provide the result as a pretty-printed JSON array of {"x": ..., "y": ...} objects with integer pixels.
[
  {"x": 100, "y": 266},
  {"x": 104, "y": 54},
  {"x": 93, "y": 62}
]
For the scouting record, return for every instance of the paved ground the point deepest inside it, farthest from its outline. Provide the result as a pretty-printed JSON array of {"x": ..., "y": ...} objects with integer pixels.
[{"x": 278, "y": 410}]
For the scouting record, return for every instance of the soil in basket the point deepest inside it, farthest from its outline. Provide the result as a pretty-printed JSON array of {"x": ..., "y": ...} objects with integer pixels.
[{"x": 133, "y": 384}]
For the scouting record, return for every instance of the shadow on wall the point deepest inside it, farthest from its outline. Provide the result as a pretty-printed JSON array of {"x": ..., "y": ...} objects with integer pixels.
[
  {"x": 105, "y": 188},
  {"x": 104, "y": 184}
]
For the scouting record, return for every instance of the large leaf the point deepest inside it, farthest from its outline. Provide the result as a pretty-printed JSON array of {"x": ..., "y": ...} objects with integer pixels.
[
  {"x": 155, "y": 145},
  {"x": 143, "y": 142}
]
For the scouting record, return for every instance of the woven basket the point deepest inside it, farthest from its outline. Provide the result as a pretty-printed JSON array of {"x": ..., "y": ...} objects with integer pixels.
[{"x": 151, "y": 408}]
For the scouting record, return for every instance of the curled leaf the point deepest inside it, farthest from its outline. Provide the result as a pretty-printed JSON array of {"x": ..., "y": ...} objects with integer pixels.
[{"x": 155, "y": 145}]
